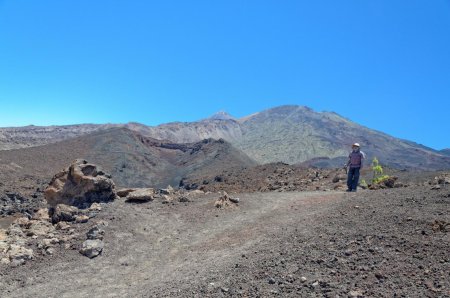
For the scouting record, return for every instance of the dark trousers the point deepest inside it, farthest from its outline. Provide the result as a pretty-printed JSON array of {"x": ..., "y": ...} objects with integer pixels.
[{"x": 353, "y": 178}]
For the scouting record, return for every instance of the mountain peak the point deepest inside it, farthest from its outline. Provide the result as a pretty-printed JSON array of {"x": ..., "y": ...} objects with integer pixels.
[{"x": 221, "y": 115}]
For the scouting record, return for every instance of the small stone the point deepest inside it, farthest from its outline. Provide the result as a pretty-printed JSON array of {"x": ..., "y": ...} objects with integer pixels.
[
  {"x": 81, "y": 219},
  {"x": 356, "y": 294},
  {"x": 95, "y": 233},
  {"x": 303, "y": 279},
  {"x": 95, "y": 207},
  {"x": 41, "y": 214},
  {"x": 92, "y": 248},
  {"x": 234, "y": 200},
  {"x": 62, "y": 225},
  {"x": 315, "y": 284},
  {"x": 49, "y": 242},
  {"x": 183, "y": 199},
  {"x": 271, "y": 281},
  {"x": 141, "y": 195},
  {"x": 225, "y": 290}
]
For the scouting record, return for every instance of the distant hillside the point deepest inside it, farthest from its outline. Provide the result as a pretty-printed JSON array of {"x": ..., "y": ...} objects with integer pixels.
[
  {"x": 445, "y": 151},
  {"x": 291, "y": 134},
  {"x": 296, "y": 134},
  {"x": 132, "y": 159}
]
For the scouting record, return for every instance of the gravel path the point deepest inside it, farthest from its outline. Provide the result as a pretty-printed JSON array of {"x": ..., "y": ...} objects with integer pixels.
[{"x": 310, "y": 244}]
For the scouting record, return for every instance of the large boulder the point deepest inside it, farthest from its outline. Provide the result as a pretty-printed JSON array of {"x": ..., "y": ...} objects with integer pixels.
[{"x": 80, "y": 185}]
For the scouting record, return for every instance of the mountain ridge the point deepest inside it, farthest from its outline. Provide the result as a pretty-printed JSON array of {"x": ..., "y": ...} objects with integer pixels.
[
  {"x": 132, "y": 159},
  {"x": 289, "y": 133}
]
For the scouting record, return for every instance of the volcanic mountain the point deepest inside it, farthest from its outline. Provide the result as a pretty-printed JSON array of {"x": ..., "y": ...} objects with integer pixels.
[
  {"x": 290, "y": 134},
  {"x": 132, "y": 159}
]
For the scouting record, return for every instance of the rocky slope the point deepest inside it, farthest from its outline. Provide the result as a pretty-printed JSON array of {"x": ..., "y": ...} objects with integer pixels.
[
  {"x": 132, "y": 159},
  {"x": 291, "y": 134},
  {"x": 384, "y": 243},
  {"x": 445, "y": 152},
  {"x": 31, "y": 136}
]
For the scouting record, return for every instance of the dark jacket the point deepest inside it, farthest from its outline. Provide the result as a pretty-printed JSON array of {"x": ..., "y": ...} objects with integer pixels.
[{"x": 356, "y": 159}]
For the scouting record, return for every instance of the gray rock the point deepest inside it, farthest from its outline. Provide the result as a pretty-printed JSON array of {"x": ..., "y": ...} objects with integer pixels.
[
  {"x": 95, "y": 233},
  {"x": 64, "y": 212},
  {"x": 92, "y": 248},
  {"x": 141, "y": 195},
  {"x": 18, "y": 255}
]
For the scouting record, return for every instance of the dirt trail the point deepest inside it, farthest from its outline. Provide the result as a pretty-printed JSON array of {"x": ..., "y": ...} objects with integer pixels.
[
  {"x": 155, "y": 249},
  {"x": 385, "y": 243}
]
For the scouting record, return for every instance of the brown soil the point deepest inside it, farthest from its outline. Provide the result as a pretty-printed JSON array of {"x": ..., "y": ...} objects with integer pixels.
[
  {"x": 284, "y": 177},
  {"x": 380, "y": 243}
]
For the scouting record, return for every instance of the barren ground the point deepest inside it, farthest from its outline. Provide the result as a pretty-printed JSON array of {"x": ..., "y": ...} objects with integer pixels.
[{"x": 382, "y": 243}]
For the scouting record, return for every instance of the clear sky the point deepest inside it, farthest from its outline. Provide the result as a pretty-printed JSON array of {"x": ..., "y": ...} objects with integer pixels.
[{"x": 382, "y": 63}]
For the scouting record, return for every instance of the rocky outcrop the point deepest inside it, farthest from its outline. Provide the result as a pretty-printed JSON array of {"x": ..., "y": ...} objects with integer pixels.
[{"x": 80, "y": 185}]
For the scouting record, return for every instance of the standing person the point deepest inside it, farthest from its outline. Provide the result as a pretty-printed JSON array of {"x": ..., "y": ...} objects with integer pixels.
[{"x": 354, "y": 164}]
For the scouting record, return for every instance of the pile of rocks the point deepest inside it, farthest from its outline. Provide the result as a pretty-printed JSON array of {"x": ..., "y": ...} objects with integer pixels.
[
  {"x": 14, "y": 202},
  {"x": 74, "y": 196}
]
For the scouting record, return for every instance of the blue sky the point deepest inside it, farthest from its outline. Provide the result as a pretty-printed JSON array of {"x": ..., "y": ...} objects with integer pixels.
[{"x": 383, "y": 64}]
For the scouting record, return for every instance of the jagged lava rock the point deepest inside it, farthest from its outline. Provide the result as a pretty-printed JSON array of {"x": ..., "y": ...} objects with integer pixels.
[{"x": 80, "y": 185}]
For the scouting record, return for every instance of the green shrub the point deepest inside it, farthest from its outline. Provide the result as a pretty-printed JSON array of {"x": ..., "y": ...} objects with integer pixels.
[
  {"x": 363, "y": 184},
  {"x": 380, "y": 179},
  {"x": 377, "y": 170}
]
